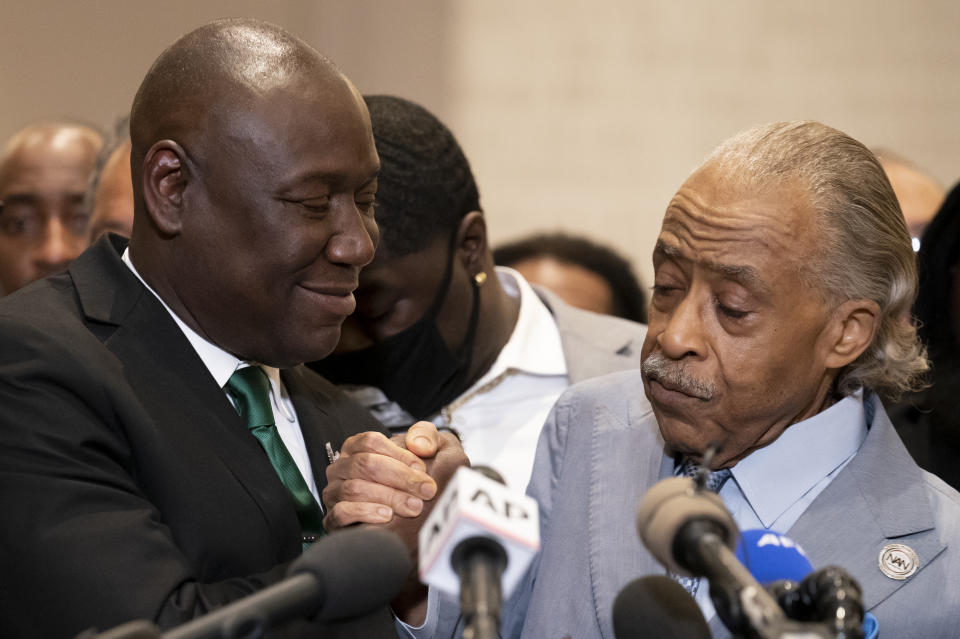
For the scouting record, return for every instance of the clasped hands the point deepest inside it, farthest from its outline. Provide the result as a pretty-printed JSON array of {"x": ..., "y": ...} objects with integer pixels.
[{"x": 377, "y": 479}]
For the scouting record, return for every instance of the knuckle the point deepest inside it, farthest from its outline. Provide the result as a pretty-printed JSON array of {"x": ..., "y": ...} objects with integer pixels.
[
  {"x": 364, "y": 465},
  {"x": 352, "y": 489},
  {"x": 370, "y": 439}
]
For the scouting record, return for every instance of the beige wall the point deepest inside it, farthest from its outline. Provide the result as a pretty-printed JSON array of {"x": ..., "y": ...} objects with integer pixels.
[{"x": 576, "y": 114}]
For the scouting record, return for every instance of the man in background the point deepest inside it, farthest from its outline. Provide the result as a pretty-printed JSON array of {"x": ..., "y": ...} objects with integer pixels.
[
  {"x": 581, "y": 272},
  {"x": 919, "y": 194},
  {"x": 442, "y": 334},
  {"x": 111, "y": 189},
  {"x": 44, "y": 171}
]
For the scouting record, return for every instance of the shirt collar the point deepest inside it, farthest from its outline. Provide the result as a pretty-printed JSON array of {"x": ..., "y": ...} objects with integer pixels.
[
  {"x": 534, "y": 346},
  {"x": 801, "y": 457},
  {"x": 219, "y": 362}
]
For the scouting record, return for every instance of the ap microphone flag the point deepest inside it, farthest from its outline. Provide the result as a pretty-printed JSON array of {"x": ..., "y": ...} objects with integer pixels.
[
  {"x": 476, "y": 506},
  {"x": 771, "y": 556}
]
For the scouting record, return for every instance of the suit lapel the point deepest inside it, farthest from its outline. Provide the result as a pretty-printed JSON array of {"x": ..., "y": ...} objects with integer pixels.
[
  {"x": 590, "y": 352},
  {"x": 878, "y": 499},
  {"x": 625, "y": 459},
  {"x": 170, "y": 381},
  {"x": 316, "y": 424},
  {"x": 326, "y": 415}
]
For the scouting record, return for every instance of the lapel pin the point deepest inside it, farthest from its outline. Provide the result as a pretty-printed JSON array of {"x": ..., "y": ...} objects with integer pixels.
[
  {"x": 332, "y": 455},
  {"x": 898, "y": 561}
]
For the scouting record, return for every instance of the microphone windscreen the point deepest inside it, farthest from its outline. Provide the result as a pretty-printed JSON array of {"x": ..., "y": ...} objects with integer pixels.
[
  {"x": 668, "y": 506},
  {"x": 770, "y": 556},
  {"x": 357, "y": 569},
  {"x": 657, "y": 606}
]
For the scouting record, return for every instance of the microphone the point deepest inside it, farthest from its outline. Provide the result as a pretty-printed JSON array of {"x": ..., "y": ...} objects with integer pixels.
[
  {"x": 345, "y": 574},
  {"x": 770, "y": 556},
  {"x": 657, "y": 606},
  {"x": 478, "y": 541},
  {"x": 690, "y": 532},
  {"x": 829, "y": 595}
]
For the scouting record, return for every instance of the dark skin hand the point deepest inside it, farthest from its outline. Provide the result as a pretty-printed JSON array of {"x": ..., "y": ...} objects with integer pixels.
[{"x": 376, "y": 478}]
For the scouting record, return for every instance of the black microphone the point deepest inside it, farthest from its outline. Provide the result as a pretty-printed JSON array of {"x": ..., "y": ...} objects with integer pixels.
[
  {"x": 690, "y": 532},
  {"x": 345, "y": 574},
  {"x": 657, "y": 606},
  {"x": 480, "y": 562},
  {"x": 829, "y": 595}
]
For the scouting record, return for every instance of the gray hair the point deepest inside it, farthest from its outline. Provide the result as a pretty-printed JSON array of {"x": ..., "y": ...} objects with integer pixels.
[{"x": 864, "y": 246}]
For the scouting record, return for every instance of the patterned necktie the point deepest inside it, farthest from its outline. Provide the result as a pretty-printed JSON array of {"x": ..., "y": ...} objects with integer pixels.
[
  {"x": 250, "y": 389},
  {"x": 715, "y": 481}
]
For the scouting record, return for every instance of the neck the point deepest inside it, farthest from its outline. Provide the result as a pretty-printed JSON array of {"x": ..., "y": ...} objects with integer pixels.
[{"x": 498, "y": 317}]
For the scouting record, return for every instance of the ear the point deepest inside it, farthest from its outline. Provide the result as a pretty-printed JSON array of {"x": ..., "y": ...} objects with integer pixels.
[
  {"x": 852, "y": 327},
  {"x": 472, "y": 242},
  {"x": 164, "y": 180}
]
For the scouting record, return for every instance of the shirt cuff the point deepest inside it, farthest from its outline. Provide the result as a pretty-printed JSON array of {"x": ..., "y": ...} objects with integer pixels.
[{"x": 429, "y": 626}]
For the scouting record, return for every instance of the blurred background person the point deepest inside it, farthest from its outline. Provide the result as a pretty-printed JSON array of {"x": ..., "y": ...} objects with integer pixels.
[
  {"x": 442, "y": 334},
  {"x": 919, "y": 193},
  {"x": 110, "y": 196},
  {"x": 44, "y": 174},
  {"x": 929, "y": 421},
  {"x": 581, "y": 272}
]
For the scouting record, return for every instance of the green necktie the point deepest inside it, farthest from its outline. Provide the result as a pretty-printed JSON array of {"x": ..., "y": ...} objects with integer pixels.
[{"x": 250, "y": 389}]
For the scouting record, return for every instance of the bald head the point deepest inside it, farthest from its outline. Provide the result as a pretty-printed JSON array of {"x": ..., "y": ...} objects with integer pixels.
[
  {"x": 212, "y": 73},
  {"x": 44, "y": 170},
  {"x": 254, "y": 172}
]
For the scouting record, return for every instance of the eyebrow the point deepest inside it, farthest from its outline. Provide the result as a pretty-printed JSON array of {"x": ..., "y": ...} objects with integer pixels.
[
  {"x": 323, "y": 177},
  {"x": 742, "y": 274},
  {"x": 21, "y": 198}
]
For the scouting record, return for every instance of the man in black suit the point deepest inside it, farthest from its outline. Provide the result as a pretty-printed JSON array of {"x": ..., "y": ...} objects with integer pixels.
[{"x": 130, "y": 482}]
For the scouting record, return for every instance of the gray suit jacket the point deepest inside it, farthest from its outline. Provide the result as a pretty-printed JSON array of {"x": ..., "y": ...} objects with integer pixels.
[
  {"x": 601, "y": 450},
  {"x": 594, "y": 344}
]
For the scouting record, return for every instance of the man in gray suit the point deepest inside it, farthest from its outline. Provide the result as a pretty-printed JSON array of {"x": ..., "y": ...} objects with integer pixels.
[
  {"x": 439, "y": 332},
  {"x": 784, "y": 280},
  {"x": 784, "y": 275}
]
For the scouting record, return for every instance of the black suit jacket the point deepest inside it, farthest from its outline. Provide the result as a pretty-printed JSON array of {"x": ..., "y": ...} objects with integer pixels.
[{"x": 129, "y": 486}]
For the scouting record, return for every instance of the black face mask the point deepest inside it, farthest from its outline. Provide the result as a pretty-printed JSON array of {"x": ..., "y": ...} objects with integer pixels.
[{"x": 414, "y": 368}]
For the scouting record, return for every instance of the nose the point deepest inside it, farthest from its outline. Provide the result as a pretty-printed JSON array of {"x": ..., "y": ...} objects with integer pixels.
[
  {"x": 58, "y": 248},
  {"x": 354, "y": 239},
  {"x": 683, "y": 336}
]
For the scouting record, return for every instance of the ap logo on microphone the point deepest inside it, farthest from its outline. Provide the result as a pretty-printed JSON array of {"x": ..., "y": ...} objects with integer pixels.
[{"x": 476, "y": 506}]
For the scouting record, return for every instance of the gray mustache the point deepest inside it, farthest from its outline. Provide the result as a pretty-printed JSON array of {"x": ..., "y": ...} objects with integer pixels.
[{"x": 664, "y": 370}]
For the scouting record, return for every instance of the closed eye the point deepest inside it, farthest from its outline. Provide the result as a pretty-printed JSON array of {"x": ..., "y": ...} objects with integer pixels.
[{"x": 732, "y": 312}]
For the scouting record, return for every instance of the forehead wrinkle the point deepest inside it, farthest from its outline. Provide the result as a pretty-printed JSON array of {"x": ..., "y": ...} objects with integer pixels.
[{"x": 740, "y": 273}]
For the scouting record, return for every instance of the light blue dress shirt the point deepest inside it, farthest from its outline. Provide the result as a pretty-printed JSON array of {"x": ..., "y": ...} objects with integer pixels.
[{"x": 806, "y": 458}]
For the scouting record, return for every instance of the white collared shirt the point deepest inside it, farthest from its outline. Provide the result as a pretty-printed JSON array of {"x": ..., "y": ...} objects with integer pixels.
[
  {"x": 774, "y": 485},
  {"x": 500, "y": 422},
  {"x": 500, "y": 427},
  {"x": 222, "y": 365}
]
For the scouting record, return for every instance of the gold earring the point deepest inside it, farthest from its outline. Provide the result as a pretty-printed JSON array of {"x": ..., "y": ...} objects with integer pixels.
[{"x": 480, "y": 279}]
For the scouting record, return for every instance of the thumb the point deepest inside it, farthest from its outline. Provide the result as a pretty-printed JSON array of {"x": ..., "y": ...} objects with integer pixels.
[{"x": 422, "y": 439}]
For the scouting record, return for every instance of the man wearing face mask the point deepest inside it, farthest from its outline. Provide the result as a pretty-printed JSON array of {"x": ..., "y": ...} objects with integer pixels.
[{"x": 439, "y": 332}]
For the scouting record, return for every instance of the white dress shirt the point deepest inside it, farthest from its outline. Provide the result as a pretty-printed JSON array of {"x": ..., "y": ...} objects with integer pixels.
[
  {"x": 500, "y": 421},
  {"x": 222, "y": 365}
]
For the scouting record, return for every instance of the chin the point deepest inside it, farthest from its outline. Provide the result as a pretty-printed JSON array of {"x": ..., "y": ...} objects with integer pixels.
[
  {"x": 286, "y": 353},
  {"x": 681, "y": 434}
]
